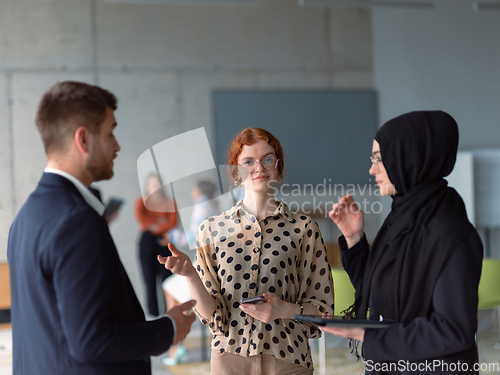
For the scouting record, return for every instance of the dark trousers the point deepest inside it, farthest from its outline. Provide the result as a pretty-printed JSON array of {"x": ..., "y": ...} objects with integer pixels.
[{"x": 149, "y": 248}]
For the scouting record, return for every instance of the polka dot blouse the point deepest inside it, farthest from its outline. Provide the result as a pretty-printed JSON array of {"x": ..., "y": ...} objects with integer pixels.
[{"x": 239, "y": 257}]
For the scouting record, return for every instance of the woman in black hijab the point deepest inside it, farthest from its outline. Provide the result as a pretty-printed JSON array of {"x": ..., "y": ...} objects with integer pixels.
[{"x": 424, "y": 266}]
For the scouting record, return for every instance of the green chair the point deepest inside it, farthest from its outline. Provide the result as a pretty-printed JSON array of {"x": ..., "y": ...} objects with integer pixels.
[
  {"x": 343, "y": 290},
  {"x": 343, "y": 299},
  {"x": 489, "y": 291}
]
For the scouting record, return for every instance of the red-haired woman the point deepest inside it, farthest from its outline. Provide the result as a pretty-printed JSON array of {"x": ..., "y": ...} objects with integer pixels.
[{"x": 258, "y": 248}]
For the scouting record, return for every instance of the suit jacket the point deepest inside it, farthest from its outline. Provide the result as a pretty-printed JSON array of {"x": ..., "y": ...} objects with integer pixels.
[{"x": 74, "y": 311}]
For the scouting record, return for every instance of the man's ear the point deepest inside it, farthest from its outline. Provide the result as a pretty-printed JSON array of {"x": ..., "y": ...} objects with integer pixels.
[{"x": 81, "y": 139}]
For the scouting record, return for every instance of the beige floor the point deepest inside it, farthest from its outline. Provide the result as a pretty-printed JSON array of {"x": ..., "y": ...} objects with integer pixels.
[{"x": 340, "y": 361}]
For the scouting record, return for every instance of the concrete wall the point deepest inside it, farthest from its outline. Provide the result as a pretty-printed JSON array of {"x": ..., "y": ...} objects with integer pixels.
[
  {"x": 443, "y": 58},
  {"x": 162, "y": 61}
]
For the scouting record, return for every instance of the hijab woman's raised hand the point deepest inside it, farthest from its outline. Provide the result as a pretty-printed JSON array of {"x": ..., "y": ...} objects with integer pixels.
[{"x": 349, "y": 218}]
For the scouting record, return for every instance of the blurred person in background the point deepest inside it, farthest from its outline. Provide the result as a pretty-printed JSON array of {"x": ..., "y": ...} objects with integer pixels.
[
  {"x": 175, "y": 287},
  {"x": 156, "y": 215}
]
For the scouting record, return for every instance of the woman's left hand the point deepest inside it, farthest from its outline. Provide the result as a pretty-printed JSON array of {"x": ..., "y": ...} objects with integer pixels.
[
  {"x": 351, "y": 333},
  {"x": 265, "y": 312}
]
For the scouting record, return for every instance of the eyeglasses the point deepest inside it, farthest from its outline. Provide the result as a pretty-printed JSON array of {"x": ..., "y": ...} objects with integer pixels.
[
  {"x": 250, "y": 165},
  {"x": 375, "y": 161}
]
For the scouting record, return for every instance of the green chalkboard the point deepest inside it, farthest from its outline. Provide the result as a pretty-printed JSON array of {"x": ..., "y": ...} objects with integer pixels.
[{"x": 326, "y": 135}]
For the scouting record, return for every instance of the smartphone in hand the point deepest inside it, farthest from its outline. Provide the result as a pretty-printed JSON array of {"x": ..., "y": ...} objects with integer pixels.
[
  {"x": 258, "y": 299},
  {"x": 113, "y": 206}
]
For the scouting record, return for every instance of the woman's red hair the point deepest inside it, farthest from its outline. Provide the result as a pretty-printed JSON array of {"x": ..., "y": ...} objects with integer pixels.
[{"x": 248, "y": 137}]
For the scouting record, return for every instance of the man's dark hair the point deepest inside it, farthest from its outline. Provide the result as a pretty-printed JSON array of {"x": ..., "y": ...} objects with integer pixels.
[{"x": 67, "y": 106}]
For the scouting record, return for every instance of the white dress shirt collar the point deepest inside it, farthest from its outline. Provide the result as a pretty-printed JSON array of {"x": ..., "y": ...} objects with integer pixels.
[{"x": 90, "y": 198}]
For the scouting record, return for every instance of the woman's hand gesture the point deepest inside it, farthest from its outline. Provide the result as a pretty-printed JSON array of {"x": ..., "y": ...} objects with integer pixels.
[
  {"x": 178, "y": 262},
  {"x": 349, "y": 218}
]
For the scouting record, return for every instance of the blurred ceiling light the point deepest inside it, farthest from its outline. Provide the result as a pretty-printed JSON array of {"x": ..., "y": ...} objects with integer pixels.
[
  {"x": 366, "y": 4},
  {"x": 188, "y": 2},
  {"x": 486, "y": 5}
]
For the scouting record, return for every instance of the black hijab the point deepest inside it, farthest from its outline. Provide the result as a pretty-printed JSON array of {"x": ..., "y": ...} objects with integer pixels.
[{"x": 427, "y": 219}]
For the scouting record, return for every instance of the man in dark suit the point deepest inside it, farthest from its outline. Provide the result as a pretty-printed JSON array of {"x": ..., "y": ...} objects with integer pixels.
[{"x": 74, "y": 311}]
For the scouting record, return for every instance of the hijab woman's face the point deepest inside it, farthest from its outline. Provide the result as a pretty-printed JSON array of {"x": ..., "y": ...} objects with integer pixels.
[{"x": 378, "y": 171}]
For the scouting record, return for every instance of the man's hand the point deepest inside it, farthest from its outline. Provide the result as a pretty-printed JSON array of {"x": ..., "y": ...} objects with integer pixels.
[{"x": 184, "y": 318}]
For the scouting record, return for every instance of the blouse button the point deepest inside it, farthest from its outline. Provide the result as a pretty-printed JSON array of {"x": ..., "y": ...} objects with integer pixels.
[{"x": 256, "y": 250}]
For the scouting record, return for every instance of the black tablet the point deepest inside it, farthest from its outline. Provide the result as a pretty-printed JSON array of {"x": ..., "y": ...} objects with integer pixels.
[{"x": 339, "y": 321}]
